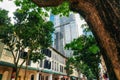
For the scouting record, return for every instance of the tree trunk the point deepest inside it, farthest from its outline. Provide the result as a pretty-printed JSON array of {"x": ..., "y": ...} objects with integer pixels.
[
  {"x": 16, "y": 73},
  {"x": 103, "y": 19},
  {"x": 110, "y": 70},
  {"x": 26, "y": 68}
]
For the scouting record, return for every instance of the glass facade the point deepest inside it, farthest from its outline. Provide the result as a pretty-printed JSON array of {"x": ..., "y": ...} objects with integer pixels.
[{"x": 66, "y": 29}]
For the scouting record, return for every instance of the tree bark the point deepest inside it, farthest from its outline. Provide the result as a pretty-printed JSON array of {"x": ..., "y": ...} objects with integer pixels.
[
  {"x": 110, "y": 70},
  {"x": 43, "y": 3},
  {"x": 103, "y": 17}
]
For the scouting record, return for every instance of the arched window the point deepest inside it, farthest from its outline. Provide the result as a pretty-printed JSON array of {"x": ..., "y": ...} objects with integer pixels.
[
  {"x": 32, "y": 77},
  {"x": 40, "y": 76},
  {"x": 46, "y": 77}
]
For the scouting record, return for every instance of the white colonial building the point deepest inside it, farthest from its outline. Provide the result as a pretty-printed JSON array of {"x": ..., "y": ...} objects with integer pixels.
[{"x": 50, "y": 68}]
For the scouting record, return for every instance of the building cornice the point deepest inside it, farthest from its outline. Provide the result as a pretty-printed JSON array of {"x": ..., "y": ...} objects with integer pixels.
[{"x": 58, "y": 52}]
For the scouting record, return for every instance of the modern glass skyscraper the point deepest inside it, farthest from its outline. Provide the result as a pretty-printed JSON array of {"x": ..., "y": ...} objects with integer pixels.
[{"x": 66, "y": 29}]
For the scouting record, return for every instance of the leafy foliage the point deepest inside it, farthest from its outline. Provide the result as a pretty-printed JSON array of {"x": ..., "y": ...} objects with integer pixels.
[
  {"x": 69, "y": 66},
  {"x": 4, "y": 19},
  {"x": 27, "y": 5},
  {"x": 62, "y": 10},
  {"x": 86, "y": 56},
  {"x": 36, "y": 57},
  {"x": 30, "y": 31}
]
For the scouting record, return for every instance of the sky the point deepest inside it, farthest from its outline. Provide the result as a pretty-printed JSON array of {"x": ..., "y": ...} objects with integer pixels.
[{"x": 9, "y": 6}]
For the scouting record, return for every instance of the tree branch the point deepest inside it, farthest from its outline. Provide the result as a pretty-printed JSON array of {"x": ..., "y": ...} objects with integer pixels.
[
  {"x": 48, "y": 3},
  {"x": 21, "y": 64},
  {"x": 13, "y": 56},
  {"x": 18, "y": 55}
]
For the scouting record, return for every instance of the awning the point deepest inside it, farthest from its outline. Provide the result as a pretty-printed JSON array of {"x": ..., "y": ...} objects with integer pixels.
[
  {"x": 47, "y": 71},
  {"x": 3, "y": 63},
  {"x": 52, "y": 72}
]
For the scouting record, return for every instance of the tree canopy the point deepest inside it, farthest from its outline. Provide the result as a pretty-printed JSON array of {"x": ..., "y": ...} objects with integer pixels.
[
  {"x": 103, "y": 17},
  {"x": 30, "y": 31},
  {"x": 86, "y": 57},
  {"x": 4, "y": 19}
]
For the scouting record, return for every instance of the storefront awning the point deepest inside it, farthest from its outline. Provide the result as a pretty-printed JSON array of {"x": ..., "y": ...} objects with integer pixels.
[
  {"x": 47, "y": 71},
  {"x": 52, "y": 72},
  {"x": 3, "y": 63}
]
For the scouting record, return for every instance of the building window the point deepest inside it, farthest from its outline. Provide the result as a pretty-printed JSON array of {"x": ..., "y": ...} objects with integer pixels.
[
  {"x": 47, "y": 52},
  {"x": 55, "y": 66},
  {"x": 46, "y": 78},
  {"x": 41, "y": 63},
  {"x": 47, "y": 64},
  {"x": 23, "y": 55},
  {"x": 61, "y": 68},
  {"x": 40, "y": 76},
  {"x": 32, "y": 77},
  {"x": 52, "y": 65}
]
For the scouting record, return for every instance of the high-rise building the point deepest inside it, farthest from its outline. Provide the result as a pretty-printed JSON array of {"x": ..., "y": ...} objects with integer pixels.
[{"x": 66, "y": 29}]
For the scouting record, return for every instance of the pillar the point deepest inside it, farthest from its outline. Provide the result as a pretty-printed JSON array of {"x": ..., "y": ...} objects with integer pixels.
[
  {"x": 9, "y": 76},
  {"x": 50, "y": 77},
  {"x": 37, "y": 76},
  {"x": 5, "y": 75}
]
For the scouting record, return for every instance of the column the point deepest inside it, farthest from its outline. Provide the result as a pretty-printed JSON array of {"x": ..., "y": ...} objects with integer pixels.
[
  {"x": 50, "y": 77},
  {"x": 10, "y": 73},
  {"x": 37, "y": 76},
  {"x": 5, "y": 75}
]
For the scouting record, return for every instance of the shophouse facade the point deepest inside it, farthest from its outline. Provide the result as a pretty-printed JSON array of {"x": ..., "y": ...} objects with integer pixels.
[{"x": 50, "y": 68}]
